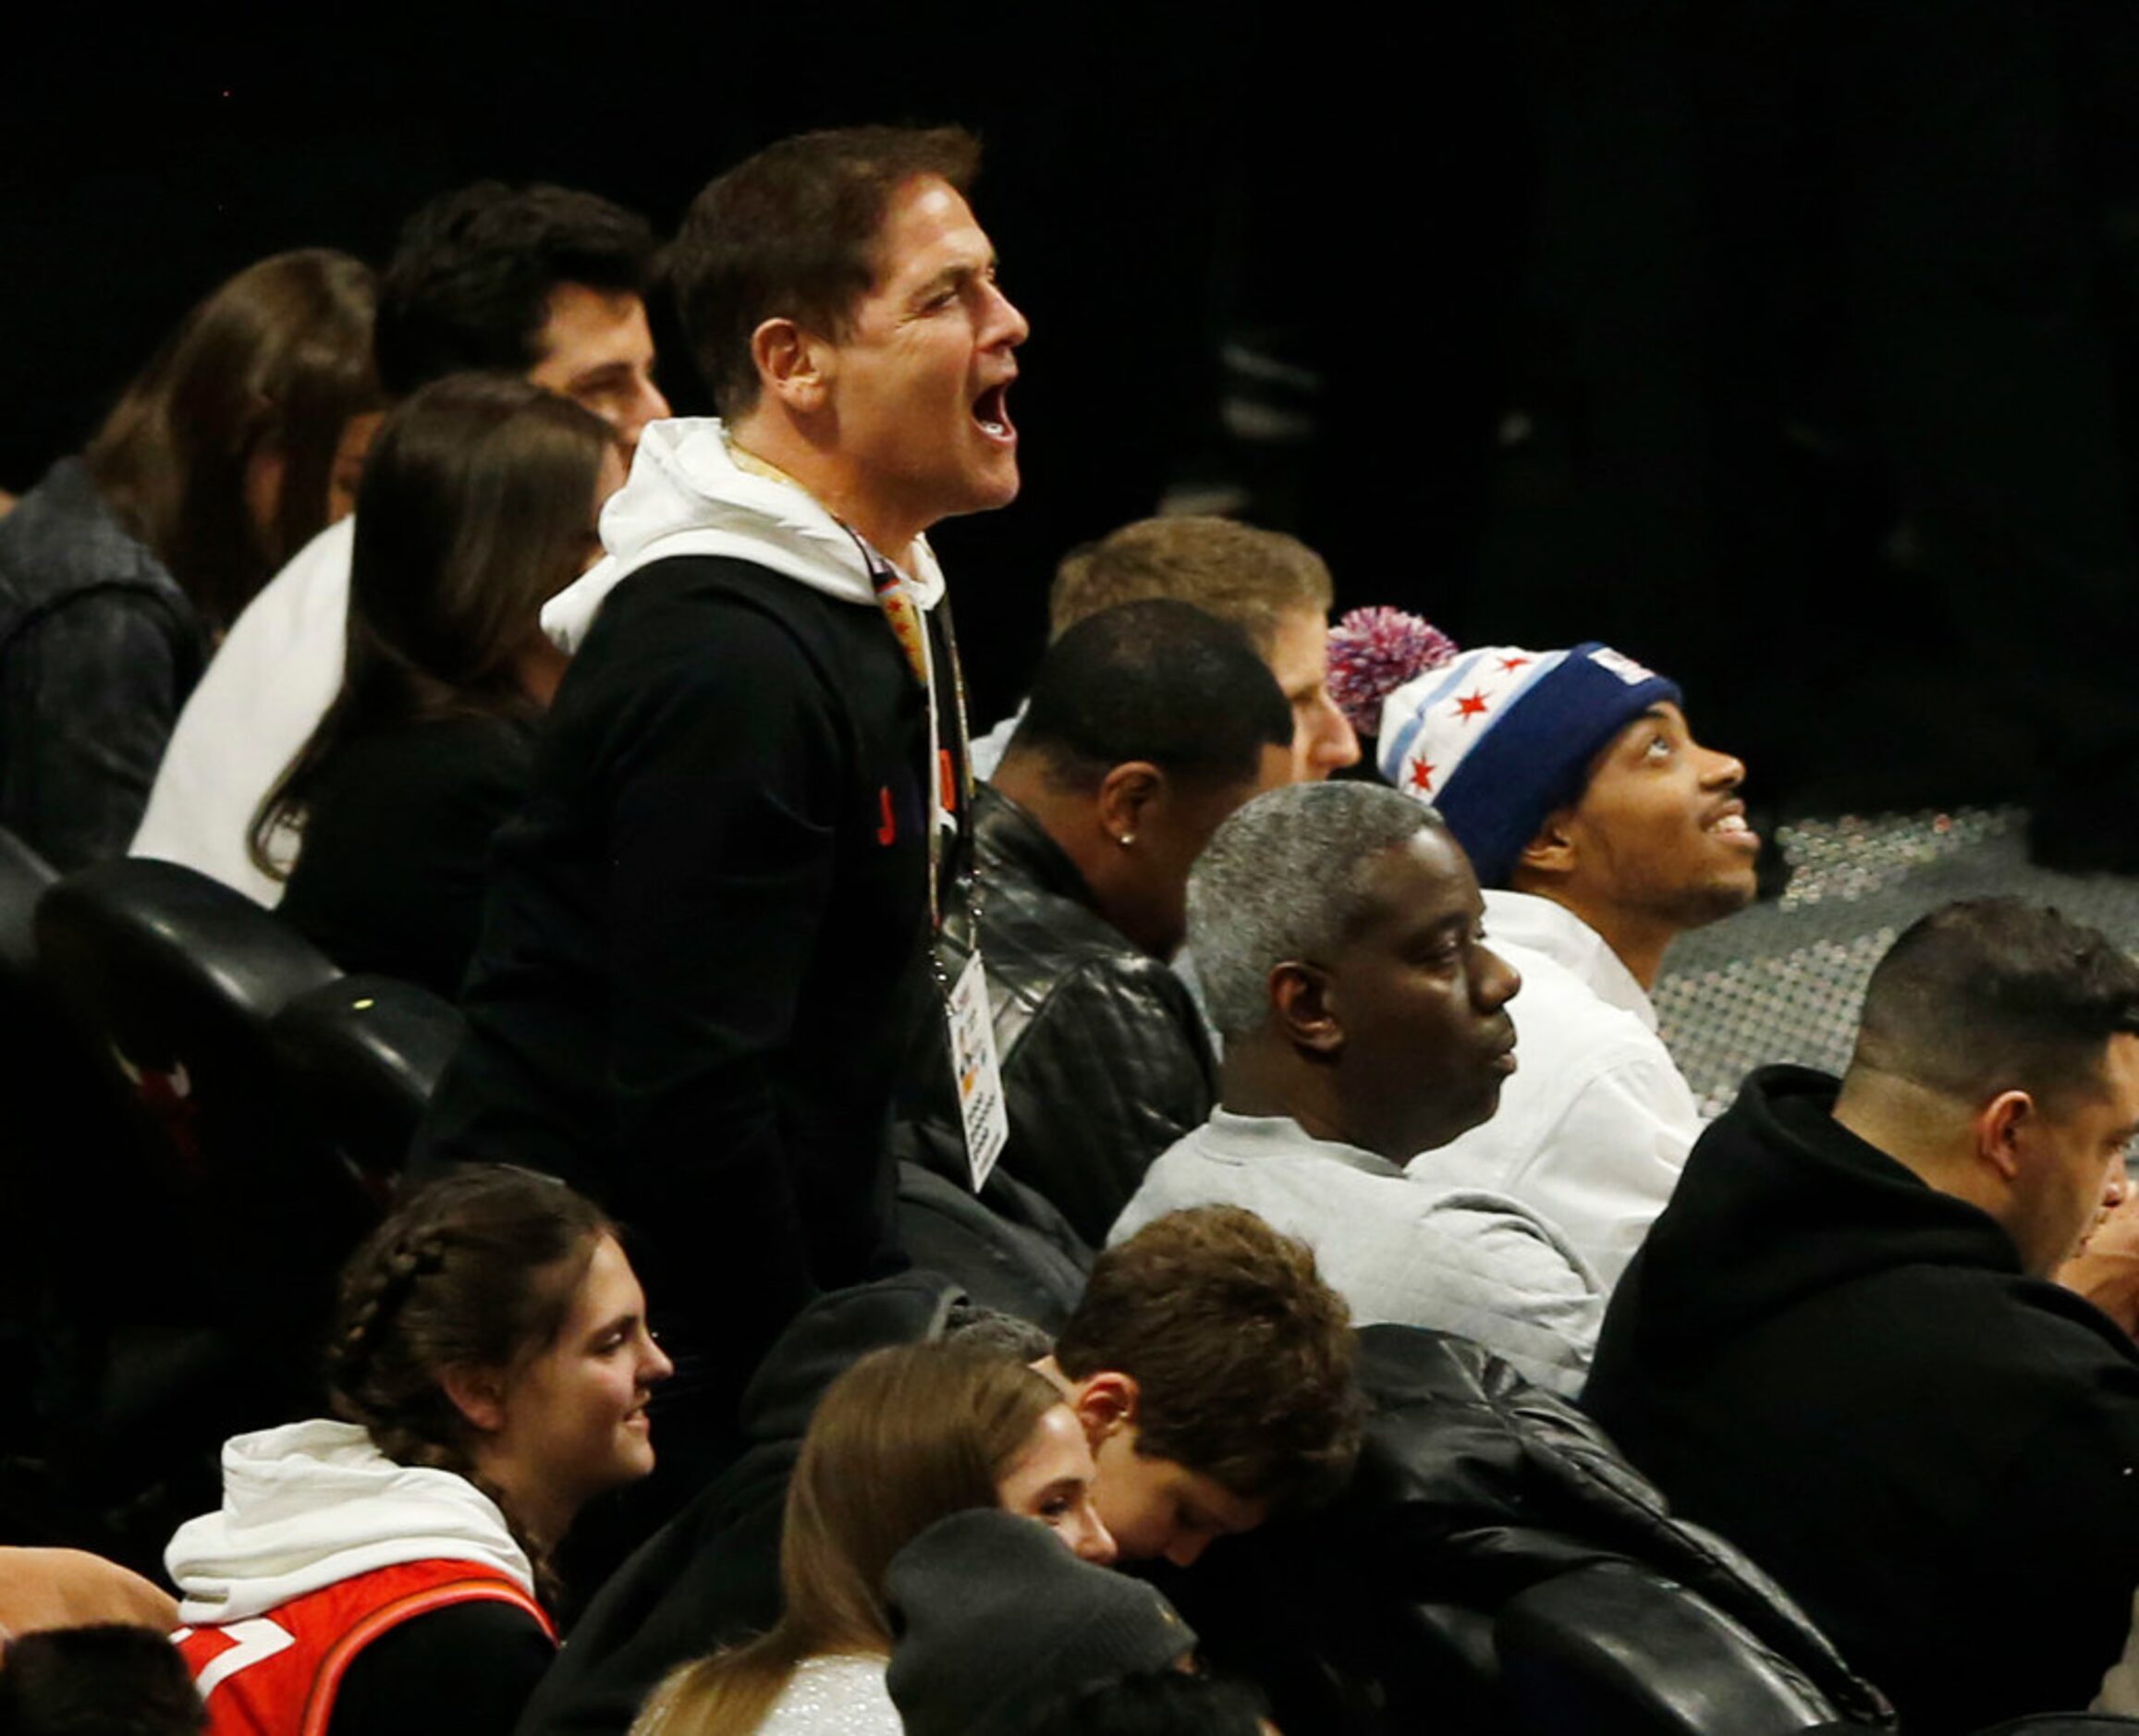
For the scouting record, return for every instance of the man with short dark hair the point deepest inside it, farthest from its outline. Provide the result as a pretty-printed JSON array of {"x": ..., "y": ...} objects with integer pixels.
[
  {"x": 706, "y": 936},
  {"x": 1271, "y": 586},
  {"x": 1601, "y": 830},
  {"x": 1337, "y": 927},
  {"x": 1841, "y": 1347},
  {"x": 540, "y": 281},
  {"x": 1210, "y": 1364},
  {"x": 1148, "y": 724}
]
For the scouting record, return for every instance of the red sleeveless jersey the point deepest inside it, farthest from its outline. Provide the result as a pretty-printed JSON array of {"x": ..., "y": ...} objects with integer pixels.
[{"x": 277, "y": 1674}]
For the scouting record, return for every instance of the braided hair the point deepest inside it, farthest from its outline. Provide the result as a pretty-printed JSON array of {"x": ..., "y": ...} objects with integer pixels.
[{"x": 475, "y": 1270}]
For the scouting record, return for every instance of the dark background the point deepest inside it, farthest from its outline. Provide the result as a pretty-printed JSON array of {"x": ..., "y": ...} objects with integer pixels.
[{"x": 1787, "y": 345}]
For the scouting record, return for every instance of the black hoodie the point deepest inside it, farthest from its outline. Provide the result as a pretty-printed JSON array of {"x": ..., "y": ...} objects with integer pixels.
[{"x": 1846, "y": 1373}]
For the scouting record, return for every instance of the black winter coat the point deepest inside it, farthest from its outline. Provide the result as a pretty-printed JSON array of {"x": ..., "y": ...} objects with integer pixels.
[
  {"x": 1847, "y": 1373},
  {"x": 702, "y": 948}
]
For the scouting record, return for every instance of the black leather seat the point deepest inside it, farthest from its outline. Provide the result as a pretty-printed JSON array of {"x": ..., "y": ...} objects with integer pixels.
[
  {"x": 360, "y": 1054},
  {"x": 174, "y": 980},
  {"x": 1616, "y": 1650}
]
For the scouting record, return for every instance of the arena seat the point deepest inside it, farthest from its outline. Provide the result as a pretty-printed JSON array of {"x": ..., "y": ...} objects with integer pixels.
[
  {"x": 360, "y": 1056},
  {"x": 1616, "y": 1650},
  {"x": 173, "y": 980}
]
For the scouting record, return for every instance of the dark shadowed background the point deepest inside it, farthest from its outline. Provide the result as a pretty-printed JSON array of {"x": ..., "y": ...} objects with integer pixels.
[{"x": 1787, "y": 343}]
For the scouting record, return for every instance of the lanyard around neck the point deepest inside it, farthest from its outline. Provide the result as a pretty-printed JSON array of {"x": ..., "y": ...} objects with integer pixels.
[{"x": 950, "y": 792}]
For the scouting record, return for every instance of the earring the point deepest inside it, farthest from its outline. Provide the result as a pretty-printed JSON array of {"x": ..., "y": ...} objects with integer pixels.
[{"x": 1127, "y": 840}]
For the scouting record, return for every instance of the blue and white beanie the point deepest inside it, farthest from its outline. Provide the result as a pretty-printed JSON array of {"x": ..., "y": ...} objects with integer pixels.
[{"x": 1500, "y": 738}]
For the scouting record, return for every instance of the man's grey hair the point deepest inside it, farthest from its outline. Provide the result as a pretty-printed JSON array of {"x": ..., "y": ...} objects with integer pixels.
[{"x": 1284, "y": 878}]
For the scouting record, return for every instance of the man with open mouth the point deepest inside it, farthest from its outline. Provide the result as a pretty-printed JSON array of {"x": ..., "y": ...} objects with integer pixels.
[{"x": 705, "y": 935}]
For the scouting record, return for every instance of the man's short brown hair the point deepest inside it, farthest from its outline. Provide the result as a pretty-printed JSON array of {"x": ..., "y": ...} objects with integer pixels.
[
  {"x": 791, "y": 233},
  {"x": 1242, "y": 1356},
  {"x": 1247, "y": 576}
]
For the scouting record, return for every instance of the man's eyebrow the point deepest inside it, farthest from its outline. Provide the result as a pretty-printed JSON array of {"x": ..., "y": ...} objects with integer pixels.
[{"x": 957, "y": 272}]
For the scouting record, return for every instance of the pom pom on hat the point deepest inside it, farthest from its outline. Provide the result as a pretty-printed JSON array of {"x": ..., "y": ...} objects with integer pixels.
[{"x": 1375, "y": 650}]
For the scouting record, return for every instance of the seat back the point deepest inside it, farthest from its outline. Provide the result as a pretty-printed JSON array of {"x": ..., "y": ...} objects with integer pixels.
[
  {"x": 1616, "y": 1650},
  {"x": 67, "y": 1249},
  {"x": 361, "y": 1054},
  {"x": 173, "y": 979}
]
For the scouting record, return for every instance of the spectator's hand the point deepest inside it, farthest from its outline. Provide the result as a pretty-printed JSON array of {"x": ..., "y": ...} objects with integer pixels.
[{"x": 2106, "y": 1270}]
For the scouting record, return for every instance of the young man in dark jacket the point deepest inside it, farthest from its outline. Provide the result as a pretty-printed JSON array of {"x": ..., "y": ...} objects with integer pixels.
[
  {"x": 702, "y": 942},
  {"x": 1841, "y": 1347}
]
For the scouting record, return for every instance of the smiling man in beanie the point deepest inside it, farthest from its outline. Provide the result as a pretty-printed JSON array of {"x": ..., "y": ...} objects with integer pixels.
[{"x": 1602, "y": 830}]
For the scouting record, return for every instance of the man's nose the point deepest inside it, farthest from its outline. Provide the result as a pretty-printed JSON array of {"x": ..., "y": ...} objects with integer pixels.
[
  {"x": 1494, "y": 982},
  {"x": 1723, "y": 771},
  {"x": 1009, "y": 327},
  {"x": 1187, "y": 1549},
  {"x": 1337, "y": 743},
  {"x": 647, "y": 405}
]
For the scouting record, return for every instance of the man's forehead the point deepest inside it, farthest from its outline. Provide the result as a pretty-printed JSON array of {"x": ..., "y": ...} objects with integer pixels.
[
  {"x": 1422, "y": 880},
  {"x": 928, "y": 227},
  {"x": 2119, "y": 1072},
  {"x": 1299, "y": 650},
  {"x": 584, "y": 327},
  {"x": 1211, "y": 1502}
]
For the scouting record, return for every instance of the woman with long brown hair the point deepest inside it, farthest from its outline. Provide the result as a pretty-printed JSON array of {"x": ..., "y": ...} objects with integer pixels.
[
  {"x": 905, "y": 1437},
  {"x": 122, "y": 568},
  {"x": 489, "y": 1366},
  {"x": 478, "y": 504}
]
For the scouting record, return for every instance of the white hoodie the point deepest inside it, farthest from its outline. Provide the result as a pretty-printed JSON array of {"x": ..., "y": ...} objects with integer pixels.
[
  {"x": 310, "y": 1504},
  {"x": 687, "y": 495}
]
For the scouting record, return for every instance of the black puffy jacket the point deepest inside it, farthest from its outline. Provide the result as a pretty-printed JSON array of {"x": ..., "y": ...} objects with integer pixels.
[{"x": 1103, "y": 1058}]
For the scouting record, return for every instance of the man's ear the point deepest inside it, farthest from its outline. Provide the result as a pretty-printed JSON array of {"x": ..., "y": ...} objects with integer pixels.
[
  {"x": 2004, "y": 1130},
  {"x": 1300, "y": 999},
  {"x": 1106, "y": 1403},
  {"x": 792, "y": 365},
  {"x": 478, "y": 1394},
  {"x": 1126, "y": 795},
  {"x": 1554, "y": 853}
]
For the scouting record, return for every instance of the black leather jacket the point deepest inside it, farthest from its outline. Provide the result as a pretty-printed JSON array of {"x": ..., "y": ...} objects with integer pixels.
[
  {"x": 1104, "y": 1058},
  {"x": 1472, "y": 1487}
]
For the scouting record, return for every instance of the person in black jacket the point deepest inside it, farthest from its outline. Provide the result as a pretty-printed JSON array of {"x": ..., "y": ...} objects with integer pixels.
[
  {"x": 479, "y": 503},
  {"x": 706, "y": 933},
  {"x": 1842, "y": 1346},
  {"x": 1147, "y": 724}
]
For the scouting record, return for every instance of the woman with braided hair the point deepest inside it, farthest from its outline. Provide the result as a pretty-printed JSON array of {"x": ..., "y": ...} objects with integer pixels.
[{"x": 490, "y": 1365}]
